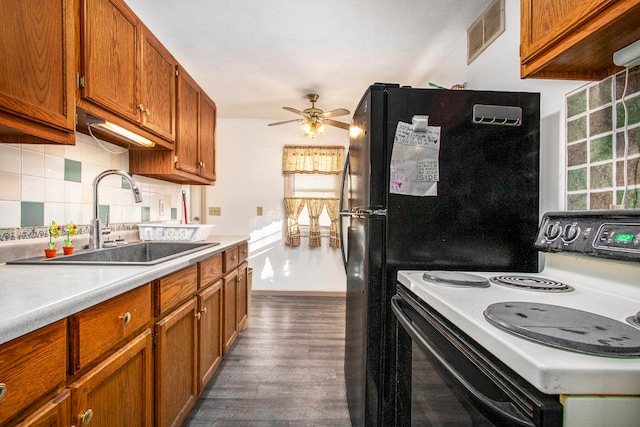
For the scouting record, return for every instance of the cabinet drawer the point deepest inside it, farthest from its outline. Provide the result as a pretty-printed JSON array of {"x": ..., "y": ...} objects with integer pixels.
[
  {"x": 32, "y": 366},
  {"x": 230, "y": 259},
  {"x": 243, "y": 252},
  {"x": 99, "y": 328},
  {"x": 210, "y": 270},
  {"x": 175, "y": 288}
]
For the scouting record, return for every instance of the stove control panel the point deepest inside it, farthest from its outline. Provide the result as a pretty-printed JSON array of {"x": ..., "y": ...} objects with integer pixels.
[{"x": 607, "y": 234}]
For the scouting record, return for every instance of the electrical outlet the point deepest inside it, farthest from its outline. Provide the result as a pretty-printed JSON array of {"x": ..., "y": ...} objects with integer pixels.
[
  {"x": 215, "y": 210},
  {"x": 161, "y": 207},
  {"x": 259, "y": 211}
]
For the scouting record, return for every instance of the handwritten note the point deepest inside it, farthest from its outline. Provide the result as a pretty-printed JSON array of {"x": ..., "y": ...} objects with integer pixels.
[{"x": 415, "y": 160}]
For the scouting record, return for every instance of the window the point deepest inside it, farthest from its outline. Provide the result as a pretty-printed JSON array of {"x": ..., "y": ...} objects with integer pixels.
[{"x": 312, "y": 191}]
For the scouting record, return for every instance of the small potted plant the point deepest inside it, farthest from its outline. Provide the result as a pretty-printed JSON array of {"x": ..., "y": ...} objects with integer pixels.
[
  {"x": 54, "y": 233},
  {"x": 71, "y": 230}
]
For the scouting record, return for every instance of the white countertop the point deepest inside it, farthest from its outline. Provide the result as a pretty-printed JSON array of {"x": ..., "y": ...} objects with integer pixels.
[{"x": 33, "y": 296}]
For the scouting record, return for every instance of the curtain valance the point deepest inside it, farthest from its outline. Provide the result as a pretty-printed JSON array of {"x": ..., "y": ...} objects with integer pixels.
[{"x": 312, "y": 159}]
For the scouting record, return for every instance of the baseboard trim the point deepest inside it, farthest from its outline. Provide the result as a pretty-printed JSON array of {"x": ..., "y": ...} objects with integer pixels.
[{"x": 299, "y": 293}]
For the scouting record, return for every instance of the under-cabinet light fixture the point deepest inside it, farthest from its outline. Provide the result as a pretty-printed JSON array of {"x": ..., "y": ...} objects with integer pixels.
[
  {"x": 119, "y": 132},
  {"x": 628, "y": 56}
]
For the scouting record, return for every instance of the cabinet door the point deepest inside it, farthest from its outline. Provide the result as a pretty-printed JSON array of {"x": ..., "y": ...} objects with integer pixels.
[
  {"x": 37, "y": 83},
  {"x": 229, "y": 320},
  {"x": 209, "y": 332},
  {"x": 55, "y": 413},
  {"x": 207, "y": 141},
  {"x": 158, "y": 87},
  {"x": 187, "y": 129},
  {"x": 243, "y": 312},
  {"x": 119, "y": 390},
  {"x": 175, "y": 357},
  {"x": 111, "y": 58},
  {"x": 31, "y": 367}
]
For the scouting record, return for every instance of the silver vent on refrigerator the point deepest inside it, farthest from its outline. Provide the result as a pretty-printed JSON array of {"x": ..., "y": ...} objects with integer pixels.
[{"x": 485, "y": 29}]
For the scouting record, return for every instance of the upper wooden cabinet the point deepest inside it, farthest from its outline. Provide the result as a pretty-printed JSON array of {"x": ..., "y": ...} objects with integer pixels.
[
  {"x": 125, "y": 73},
  {"x": 193, "y": 160},
  {"x": 37, "y": 73},
  {"x": 575, "y": 39}
]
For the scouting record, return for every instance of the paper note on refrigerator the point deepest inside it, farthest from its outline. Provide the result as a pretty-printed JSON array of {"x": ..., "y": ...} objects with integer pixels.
[{"x": 415, "y": 159}]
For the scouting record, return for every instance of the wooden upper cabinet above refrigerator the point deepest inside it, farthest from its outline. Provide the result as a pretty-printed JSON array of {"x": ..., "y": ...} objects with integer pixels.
[
  {"x": 125, "y": 74},
  {"x": 37, "y": 75},
  {"x": 575, "y": 39}
]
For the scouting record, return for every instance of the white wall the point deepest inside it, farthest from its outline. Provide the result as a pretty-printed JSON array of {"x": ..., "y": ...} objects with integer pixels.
[
  {"x": 498, "y": 68},
  {"x": 249, "y": 173},
  {"x": 250, "y": 159}
]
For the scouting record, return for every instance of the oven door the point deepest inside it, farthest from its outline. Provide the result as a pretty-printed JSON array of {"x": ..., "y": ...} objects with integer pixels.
[{"x": 455, "y": 382}]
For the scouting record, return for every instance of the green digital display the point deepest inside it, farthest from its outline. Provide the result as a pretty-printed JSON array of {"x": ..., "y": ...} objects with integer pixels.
[{"x": 624, "y": 237}]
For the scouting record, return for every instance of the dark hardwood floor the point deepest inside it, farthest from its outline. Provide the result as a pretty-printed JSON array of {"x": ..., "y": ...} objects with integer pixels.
[{"x": 285, "y": 369}]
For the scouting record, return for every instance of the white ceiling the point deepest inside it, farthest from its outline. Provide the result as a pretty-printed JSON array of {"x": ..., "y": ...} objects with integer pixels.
[{"x": 255, "y": 56}]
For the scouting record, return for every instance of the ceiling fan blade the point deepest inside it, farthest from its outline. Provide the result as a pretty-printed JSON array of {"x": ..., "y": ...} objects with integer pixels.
[
  {"x": 293, "y": 110},
  {"x": 286, "y": 121},
  {"x": 336, "y": 124},
  {"x": 336, "y": 113}
]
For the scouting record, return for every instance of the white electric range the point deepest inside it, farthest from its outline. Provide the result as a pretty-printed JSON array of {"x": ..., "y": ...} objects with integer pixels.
[{"x": 571, "y": 330}]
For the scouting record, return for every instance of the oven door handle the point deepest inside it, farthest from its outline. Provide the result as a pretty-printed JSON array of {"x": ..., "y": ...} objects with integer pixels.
[{"x": 509, "y": 413}]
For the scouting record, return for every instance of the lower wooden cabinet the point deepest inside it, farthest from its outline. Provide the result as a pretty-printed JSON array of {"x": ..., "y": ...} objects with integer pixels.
[
  {"x": 32, "y": 367},
  {"x": 229, "y": 319},
  {"x": 209, "y": 333},
  {"x": 175, "y": 364},
  {"x": 55, "y": 413},
  {"x": 119, "y": 390},
  {"x": 243, "y": 302}
]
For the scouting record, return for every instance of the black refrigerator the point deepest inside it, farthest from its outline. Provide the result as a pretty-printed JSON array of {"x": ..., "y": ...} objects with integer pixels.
[{"x": 434, "y": 180}]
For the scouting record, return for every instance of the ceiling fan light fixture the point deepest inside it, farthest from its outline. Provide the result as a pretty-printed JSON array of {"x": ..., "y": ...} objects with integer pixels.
[{"x": 312, "y": 128}]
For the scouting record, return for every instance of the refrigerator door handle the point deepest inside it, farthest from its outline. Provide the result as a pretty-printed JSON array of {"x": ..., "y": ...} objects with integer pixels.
[
  {"x": 342, "y": 184},
  {"x": 362, "y": 213}
]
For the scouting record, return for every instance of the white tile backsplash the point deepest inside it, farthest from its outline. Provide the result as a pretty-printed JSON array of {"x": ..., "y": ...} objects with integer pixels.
[
  {"x": 9, "y": 213},
  {"x": 32, "y": 188},
  {"x": 35, "y": 173},
  {"x": 11, "y": 159}
]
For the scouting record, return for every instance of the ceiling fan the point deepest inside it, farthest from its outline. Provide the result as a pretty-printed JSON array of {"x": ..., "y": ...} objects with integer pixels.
[{"x": 314, "y": 119}]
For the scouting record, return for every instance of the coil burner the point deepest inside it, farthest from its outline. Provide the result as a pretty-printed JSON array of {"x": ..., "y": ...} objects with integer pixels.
[{"x": 531, "y": 283}]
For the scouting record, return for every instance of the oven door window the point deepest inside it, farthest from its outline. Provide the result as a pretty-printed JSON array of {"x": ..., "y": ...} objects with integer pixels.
[{"x": 455, "y": 383}]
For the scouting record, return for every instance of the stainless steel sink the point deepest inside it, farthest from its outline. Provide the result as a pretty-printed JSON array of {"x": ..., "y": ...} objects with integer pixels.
[{"x": 144, "y": 253}]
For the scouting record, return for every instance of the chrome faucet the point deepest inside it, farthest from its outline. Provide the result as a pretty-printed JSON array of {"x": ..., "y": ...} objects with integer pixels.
[{"x": 95, "y": 234}]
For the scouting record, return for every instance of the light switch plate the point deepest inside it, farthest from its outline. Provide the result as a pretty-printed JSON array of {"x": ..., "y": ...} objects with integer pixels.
[
  {"x": 215, "y": 210},
  {"x": 259, "y": 211}
]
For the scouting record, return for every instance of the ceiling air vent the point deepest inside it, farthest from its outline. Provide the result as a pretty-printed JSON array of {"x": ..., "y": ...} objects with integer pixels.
[{"x": 485, "y": 29}]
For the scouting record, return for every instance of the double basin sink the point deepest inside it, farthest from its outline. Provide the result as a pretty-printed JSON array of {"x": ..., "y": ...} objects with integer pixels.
[{"x": 143, "y": 253}]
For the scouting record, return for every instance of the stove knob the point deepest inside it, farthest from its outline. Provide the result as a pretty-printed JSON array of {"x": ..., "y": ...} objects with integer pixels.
[
  {"x": 570, "y": 233},
  {"x": 552, "y": 232}
]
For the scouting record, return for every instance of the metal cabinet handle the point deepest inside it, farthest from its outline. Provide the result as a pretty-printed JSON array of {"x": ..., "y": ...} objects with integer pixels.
[
  {"x": 141, "y": 107},
  {"x": 233, "y": 258},
  {"x": 87, "y": 416},
  {"x": 126, "y": 318},
  {"x": 204, "y": 310},
  {"x": 198, "y": 315},
  {"x": 3, "y": 391}
]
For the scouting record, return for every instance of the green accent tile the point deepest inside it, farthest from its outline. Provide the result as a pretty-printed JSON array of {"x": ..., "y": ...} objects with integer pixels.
[
  {"x": 633, "y": 85},
  {"x": 600, "y": 200},
  {"x": 174, "y": 213},
  {"x": 577, "y": 154},
  {"x": 600, "y": 121},
  {"x": 601, "y": 176},
  {"x": 31, "y": 214},
  {"x": 146, "y": 214},
  {"x": 125, "y": 184},
  {"x": 72, "y": 170},
  {"x": 600, "y": 93},
  {"x": 577, "y": 103},
  {"x": 633, "y": 198},
  {"x": 601, "y": 149},
  {"x": 103, "y": 211},
  {"x": 577, "y": 129},
  {"x": 577, "y": 201},
  {"x": 577, "y": 179}
]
